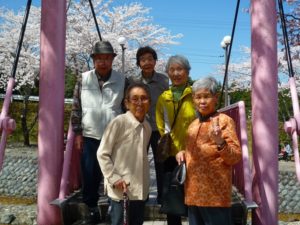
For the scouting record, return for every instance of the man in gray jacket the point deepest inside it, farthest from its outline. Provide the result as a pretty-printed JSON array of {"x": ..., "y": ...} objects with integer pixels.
[
  {"x": 146, "y": 58},
  {"x": 97, "y": 100}
]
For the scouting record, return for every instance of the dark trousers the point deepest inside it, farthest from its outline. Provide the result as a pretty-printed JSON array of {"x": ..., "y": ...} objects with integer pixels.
[
  {"x": 169, "y": 166},
  {"x": 159, "y": 168},
  {"x": 135, "y": 213},
  {"x": 209, "y": 215},
  {"x": 91, "y": 173}
]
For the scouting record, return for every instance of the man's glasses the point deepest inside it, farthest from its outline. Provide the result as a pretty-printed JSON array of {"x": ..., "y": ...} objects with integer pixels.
[{"x": 136, "y": 100}]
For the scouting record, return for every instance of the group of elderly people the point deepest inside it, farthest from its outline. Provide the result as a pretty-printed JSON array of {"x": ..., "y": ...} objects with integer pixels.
[{"x": 118, "y": 142}]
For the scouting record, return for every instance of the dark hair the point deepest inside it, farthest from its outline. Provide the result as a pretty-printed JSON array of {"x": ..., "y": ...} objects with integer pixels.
[
  {"x": 137, "y": 85},
  {"x": 143, "y": 50}
]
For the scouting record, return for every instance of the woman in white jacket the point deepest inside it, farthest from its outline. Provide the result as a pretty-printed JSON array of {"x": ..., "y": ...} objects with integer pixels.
[{"x": 123, "y": 159}]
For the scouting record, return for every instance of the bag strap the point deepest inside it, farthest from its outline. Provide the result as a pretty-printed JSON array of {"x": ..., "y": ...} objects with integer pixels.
[
  {"x": 176, "y": 113},
  {"x": 179, "y": 105},
  {"x": 168, "y": 125}
]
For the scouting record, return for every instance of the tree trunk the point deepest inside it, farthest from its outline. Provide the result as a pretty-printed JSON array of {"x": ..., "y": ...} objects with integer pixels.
[{"x": 25, "y": 129}]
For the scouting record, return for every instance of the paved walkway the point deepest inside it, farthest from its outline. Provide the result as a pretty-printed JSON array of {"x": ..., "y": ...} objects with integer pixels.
[
  {"x": 160, "y": 223},
  {"x": 159, "y": 219},
  {"x": 152, "y": 196}
]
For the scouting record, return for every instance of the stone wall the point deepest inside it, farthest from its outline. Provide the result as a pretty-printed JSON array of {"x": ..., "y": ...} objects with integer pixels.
[
  {"x": 289, "y": 192},
  {"x": 18, "y": 178}
]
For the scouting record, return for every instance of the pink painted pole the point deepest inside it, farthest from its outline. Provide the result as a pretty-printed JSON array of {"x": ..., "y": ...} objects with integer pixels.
[
  {"x": 65, "y": 179},
  {"x": 242, "y": 171},
  {"x": 244, "y": 146},
  {"x": 293, "y": 124},
  {"x": 7, "y": 125},
  {"x": 264, "y": 111},
  {"x": 295, "y": 101},
  {"x": 51, "y": 109},
  {"x": 8, "y": 95},
  {"x": 75, "y": 173}
]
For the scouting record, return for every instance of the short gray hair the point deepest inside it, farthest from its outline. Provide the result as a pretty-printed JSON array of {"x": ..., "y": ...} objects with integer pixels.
[
  {"x": 181, "y": 60},
  {"x": 209, "y": 83}
]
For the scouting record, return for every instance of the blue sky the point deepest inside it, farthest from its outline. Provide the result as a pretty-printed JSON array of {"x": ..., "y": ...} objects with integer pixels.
[{"x": 203, "y": 24}]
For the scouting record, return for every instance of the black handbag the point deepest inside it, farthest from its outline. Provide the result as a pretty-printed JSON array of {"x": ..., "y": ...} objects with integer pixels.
[
  {"x": 165, "y": 142},
  {"x": 173, "y": 192},
  {"x": 164, "y": 147}
]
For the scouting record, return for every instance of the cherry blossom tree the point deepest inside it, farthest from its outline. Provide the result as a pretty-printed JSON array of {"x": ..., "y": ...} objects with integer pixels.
[
  {"x": 28, "y": 65},
  {"x": 239, "y": 72},
  {"x": 131, "y": 21}
]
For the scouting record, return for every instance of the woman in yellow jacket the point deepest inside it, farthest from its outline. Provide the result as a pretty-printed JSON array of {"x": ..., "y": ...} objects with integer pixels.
[{"x": 175, "y": 111}]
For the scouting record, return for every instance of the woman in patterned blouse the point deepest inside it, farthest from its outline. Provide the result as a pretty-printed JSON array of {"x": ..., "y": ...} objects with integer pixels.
[{"x": 212, "y": 147}]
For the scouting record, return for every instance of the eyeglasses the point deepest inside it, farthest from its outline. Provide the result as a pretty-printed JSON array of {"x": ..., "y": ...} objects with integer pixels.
[{"x": 136, "y": 100}]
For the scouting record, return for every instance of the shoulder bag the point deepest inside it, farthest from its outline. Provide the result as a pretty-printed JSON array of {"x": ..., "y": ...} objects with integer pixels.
[
  {"x": 165, "y": 142},
  {"x": 173, "y": 192}
]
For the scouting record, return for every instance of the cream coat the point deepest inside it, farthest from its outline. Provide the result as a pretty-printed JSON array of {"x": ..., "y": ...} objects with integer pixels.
[{"x": 123, "y": 154}]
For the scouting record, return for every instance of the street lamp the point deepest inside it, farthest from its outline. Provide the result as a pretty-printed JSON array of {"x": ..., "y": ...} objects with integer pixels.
[
  {"x": 225, "y": 44},
  {"x": 122, "y": 41}
]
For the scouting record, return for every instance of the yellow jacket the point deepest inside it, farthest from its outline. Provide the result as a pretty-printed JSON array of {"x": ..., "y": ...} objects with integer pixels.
[{"x": 165, "y": 112}]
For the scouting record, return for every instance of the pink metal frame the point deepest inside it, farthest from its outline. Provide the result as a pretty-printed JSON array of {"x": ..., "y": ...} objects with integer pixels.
[
  {"x": 264, "y": 114},
  {"x": 264, "y": 101},
  {"x": 51, "y": 109},
  {"x": 292, "y": 126},
  {"x": 242, "y": 171},
  {"x": 64, "y": 190},
  {"x": 71, "y": 167},
  {"x": 7, "y": 124}
]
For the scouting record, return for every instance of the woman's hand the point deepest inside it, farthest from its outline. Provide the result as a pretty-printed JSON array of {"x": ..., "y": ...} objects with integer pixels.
[
  {"x": 180, "y": 157},
  {"x": 216, "y": 132},
  {"x": 121, "y": 185}
]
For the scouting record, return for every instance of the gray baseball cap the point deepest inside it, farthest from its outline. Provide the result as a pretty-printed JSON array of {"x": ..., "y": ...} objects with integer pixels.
[{"x": 103, "y": 47}]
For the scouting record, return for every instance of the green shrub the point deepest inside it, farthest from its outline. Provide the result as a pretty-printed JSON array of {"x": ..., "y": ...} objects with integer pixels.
[{"x": 15, "y": 110}]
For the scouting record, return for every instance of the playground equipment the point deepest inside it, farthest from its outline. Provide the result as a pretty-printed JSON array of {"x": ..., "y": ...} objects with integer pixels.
[
  {"x": 259, "y": 185},
  {"x": 292, "y": 126},
  {"x": 7, "y": 124}
]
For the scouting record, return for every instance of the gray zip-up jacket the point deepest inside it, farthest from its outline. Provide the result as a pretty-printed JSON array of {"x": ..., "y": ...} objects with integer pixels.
[{"x": 99, "y": 107}]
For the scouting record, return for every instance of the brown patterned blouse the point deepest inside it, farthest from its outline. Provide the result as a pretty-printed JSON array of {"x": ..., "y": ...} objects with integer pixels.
[{"x": 209, "y": 170}]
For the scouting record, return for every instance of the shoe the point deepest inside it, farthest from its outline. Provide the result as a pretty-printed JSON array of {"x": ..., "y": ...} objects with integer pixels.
[
  {"x": 94, "y": 215},
  {"x": 158, "y": 200},
  {"x": 83, "y": 222}
]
